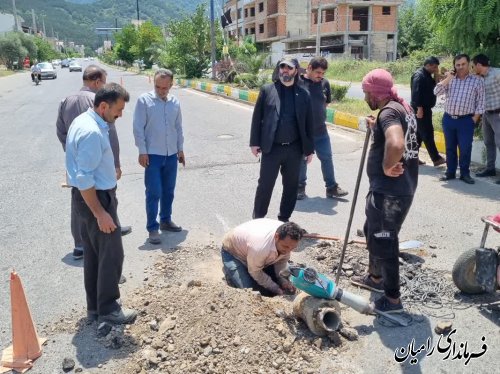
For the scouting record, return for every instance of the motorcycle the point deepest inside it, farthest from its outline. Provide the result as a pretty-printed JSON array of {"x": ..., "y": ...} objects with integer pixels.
[{"x": 37, "y": 78}]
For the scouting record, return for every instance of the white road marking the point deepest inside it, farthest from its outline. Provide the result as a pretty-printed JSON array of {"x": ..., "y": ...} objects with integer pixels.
[{"x": 222, "y": 99}]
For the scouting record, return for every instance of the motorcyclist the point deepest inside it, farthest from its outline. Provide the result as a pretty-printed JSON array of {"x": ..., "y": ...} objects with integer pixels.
[{"x": 35, "y": 69}]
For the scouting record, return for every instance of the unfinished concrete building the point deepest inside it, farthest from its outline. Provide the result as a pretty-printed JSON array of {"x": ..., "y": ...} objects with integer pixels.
[{"x": 361, "y": 29}]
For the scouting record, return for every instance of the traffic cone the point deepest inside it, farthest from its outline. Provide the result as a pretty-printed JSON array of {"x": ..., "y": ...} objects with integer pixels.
[{"x": 26, "y": 345}]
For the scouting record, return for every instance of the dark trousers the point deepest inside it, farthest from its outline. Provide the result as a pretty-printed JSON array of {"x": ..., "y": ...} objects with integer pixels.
[
  {"x": 285, "y": 159},
  {"x": 237, "y": 275},
  {"x": 458, "y": 132},
  {"x": 425, "y": 133},
  {"x": 384, "y": 217},
  {"x": 103, "y": 255}
]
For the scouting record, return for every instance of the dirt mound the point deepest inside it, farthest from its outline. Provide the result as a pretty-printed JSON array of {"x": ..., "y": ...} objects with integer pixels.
[{"x": 192, "y": 322}]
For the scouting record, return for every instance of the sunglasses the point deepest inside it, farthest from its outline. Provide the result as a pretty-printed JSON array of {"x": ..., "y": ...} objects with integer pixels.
[{"x": 283, "y": 66}]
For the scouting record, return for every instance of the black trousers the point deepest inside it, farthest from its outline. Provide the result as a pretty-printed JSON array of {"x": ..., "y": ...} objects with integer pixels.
[
  {"x": 285, "y": 159},
  {"x": 103, "y": 255},
  {"x": 384, "y": 217},
  {"x": 425, "y": 133}
]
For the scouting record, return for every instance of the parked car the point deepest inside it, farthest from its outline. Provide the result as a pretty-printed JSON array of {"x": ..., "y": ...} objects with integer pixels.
[
  {"x": 74, "y": 66},
  {"x": 56, "y": 62},
  {"x": 65, "y": 63},
  {"x": 47, "y": 70}
]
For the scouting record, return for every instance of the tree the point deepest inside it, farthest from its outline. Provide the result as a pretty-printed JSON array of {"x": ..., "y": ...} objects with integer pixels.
[
  {"x": 126, "y": 39},
  {"x": 147, "y": 35},
  {"x": 45, "y": 51},
  {"x": 414, "y": 32},
  {"x": 468, "y": 26},
  {"x": 12, "y": 51},
  {"x": 189, "y": 49}
]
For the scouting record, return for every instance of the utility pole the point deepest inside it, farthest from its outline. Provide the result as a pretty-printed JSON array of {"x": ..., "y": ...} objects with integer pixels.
[
  {"x": 212, "y": 36},
  {"x": 14, "y": 12},
  {"x": 137, "y": 13},
  {"x": 34, "y": 21},
  {"x": 237, "y": 27},
  {"x": 43, "y": 23},
  {"x": 318, "y": 30}
]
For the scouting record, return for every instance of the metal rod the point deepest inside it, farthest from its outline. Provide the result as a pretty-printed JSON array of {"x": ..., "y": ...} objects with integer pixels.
[
  {"x": 212, "y": 37},
  {"x": 353, "y": 205}
]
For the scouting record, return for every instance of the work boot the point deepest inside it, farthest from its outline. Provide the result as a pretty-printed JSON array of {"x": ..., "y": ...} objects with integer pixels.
[
  {"x": 333, "y": 192},
  {"x": 77, "y": 253},
  {"x": 301, "y": 193},
  {"x": 154, "y": 237},
  {"x": 170, "y": 226},
  {"x": 125, "y": 230},
  {"x": 440, "y": 161},
  {"x": 367, "y": 282},
  {"x": 486, "y": 173},
  {"x": 384, "y": 305},
  {"x": 121, "y": 316}
]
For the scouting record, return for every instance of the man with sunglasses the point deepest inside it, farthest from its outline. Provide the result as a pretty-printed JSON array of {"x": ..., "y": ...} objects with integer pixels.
[
  {"x": 94, "y": 78},
  {"x": 282, "y": 131}
]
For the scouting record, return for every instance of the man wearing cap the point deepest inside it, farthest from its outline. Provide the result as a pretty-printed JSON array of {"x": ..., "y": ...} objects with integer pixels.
[
  {"x": 422, "y": 102},
  {"x": 281, "y": 130},
  {"x": 491, "y": 117},
  {"x": 392, "y": 169},
  {"x": 464, "y": 104}
]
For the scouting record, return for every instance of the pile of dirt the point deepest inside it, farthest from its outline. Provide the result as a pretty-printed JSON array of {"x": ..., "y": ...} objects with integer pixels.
[{"x": 190, "y": 321}]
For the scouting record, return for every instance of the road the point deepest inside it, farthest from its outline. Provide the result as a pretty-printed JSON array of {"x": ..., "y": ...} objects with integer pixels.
[{"x": 214, "y": 192}]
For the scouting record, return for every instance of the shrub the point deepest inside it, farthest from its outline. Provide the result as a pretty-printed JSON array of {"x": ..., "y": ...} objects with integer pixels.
[{"x": 338, "y": 91}]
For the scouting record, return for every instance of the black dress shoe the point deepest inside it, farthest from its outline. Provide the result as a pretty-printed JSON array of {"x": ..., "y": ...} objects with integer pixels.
[
  {"x": 486, "y": 173},
  {"x": 467, "y": 179},
  {"x": 447, "y": 177},
  {"x": 170, "y": 226},
  {"x": 126, "y": 230}
]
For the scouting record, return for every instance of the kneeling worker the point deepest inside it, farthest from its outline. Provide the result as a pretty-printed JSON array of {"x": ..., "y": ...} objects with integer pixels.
[{"x": 254, "y": 253}]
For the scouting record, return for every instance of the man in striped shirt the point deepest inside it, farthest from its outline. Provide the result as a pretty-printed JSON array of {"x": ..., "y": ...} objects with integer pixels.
[
  {"x": 464, "y": 104},
  {"x": 491, "y": 117}
]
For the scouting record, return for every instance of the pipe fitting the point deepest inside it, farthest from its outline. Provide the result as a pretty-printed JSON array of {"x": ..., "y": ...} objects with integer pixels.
[{"x": 322, "y": 316}]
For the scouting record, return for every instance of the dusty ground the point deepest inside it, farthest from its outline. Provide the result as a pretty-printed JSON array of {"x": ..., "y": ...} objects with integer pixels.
[{"x": 190, "y": 321}]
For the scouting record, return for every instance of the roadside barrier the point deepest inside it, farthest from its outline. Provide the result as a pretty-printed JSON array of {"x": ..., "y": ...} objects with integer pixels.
[{"x": 332, "y": 116}]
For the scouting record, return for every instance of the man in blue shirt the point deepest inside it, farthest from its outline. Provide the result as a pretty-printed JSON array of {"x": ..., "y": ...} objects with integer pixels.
[
  {"x": 158, "y": 136},
  {"x": 91, "y": 172}
]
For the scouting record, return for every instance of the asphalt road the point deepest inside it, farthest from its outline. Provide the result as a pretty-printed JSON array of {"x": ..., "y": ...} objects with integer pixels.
[{"x": 214, "y": 192}]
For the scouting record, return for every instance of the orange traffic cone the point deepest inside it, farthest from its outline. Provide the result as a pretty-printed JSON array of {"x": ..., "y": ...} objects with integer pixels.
[{"x": 26, "y": 345}]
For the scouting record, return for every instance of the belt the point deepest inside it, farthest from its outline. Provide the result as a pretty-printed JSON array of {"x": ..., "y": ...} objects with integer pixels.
[
  {"x": 493, "y": 111},
  {"x": 285, "y": 144},
  {"x": 459, "y": 117}
]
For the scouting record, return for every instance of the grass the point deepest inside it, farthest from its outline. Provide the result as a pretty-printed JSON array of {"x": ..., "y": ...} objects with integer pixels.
[
  {"x": 359, "y": 107},
  {"x": 5, "y": 73}
]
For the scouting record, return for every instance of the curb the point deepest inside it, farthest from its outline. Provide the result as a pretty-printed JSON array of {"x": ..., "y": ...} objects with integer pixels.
[{"x": 333, "y": 117}]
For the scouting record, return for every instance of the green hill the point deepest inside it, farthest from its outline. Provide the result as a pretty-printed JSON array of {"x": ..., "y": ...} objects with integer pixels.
[{"x": 76, "y": 20}]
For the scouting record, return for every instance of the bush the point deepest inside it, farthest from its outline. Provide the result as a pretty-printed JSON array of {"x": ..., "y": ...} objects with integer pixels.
[{"x": 338, "y": 91}]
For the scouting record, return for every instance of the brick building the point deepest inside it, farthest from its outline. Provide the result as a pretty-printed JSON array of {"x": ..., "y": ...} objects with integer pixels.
[{"x": 363, "y": 29}]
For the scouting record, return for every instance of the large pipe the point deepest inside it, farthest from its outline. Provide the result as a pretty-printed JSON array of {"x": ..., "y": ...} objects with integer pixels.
[{"x": 322, "y": 316}]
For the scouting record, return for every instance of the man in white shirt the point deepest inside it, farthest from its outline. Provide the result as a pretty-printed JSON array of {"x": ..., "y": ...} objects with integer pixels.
[{"x": 254, "y": 253}]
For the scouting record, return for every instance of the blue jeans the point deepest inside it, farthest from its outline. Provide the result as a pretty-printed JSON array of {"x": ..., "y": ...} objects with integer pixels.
[
  {"x": 323, "y": 149},
  {"x": 458, "y": 132},
  {"x": 159, "y": 179},
  {"x": 236, "y": 273}
]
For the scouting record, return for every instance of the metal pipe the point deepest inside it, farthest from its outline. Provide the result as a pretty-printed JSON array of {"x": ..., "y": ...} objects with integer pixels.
[
  {"x": 353, "y": 205},
  {"x": 322, "y": 316}
]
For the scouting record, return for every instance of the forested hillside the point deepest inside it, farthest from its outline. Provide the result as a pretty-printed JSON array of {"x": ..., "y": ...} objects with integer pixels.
[{"x": 76, "y": 20}]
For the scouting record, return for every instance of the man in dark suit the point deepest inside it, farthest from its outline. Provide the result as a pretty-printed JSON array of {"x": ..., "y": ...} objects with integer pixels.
[{"x": 282, "y": 130}]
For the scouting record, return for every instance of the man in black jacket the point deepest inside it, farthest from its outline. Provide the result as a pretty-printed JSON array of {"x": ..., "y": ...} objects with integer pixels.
[
  {"x": 282, "y": 129},
  {"x": 422, "y": 102}
]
